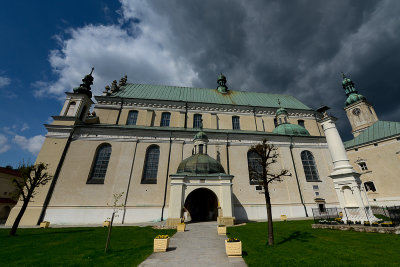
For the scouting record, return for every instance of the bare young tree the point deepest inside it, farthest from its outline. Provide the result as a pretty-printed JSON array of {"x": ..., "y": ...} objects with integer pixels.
[
  {"x": 116, "y": 207},
  {"x": 32, "y": 177},
  {"x": 267, "y": 155}
]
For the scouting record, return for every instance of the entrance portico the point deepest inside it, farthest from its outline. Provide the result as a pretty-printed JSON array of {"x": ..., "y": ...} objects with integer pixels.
[
  {"x": 200, "y": 175},
  {"x": 183, "y": 185}
]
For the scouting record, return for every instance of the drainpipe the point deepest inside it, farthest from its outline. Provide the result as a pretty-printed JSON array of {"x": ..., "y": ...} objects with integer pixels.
[
  {"x": 129, "y": 182},
  {"x": 186, "y": 114},
  {"x": 55, "y": 178},
  {"x": 119, "y": 112},
  {"x": 255, "y": 119},
  {"x": 227, "y": 153},
  {"x": 297, "y": 178},
  {"x": 166, "y": 178}
]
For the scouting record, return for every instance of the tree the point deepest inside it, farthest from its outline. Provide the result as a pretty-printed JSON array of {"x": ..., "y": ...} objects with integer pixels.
[
  {"x": 32, "y": 177},
  {"x": 267, "y": 156},
  {"x": 115, "y": 207}
]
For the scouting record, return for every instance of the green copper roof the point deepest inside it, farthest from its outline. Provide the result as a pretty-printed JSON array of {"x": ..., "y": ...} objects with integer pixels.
[
  {"x": 200, "y": 164},
  {"x": 212, "y": 96},
  {"x": 200, "y": 135},
  {"x": 378, "y": 130},
  {"x": 353, "y": 98},
  {"x": 281, "y": 111},
  {"x": 291, "y": 129}
]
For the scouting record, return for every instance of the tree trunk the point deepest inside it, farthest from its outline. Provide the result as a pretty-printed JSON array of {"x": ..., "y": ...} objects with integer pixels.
[
  {"x": 109, "y": 233},
  {"x": 269, "y": 216},
  {"x": 19, "y": 217}
]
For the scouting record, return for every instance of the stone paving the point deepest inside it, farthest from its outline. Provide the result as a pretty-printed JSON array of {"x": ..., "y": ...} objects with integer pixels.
[{"x": 199, "y": 245}]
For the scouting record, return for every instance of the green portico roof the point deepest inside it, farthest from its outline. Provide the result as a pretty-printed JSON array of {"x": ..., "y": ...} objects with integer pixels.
[
  {"x": 211, "y": 96},
  {"x": 377, "y": 131},
  {"x": 291, "y": 129},
  {"x": 200, "y": 164}
]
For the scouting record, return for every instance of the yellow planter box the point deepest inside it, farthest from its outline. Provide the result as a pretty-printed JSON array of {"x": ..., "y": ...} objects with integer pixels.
[
  {"x": 106, "y": 224},
  {"x": 181, "y": 227},
  {"x": 283, "y": 218},
  {"x": 221, "y": 230},
  {"x": 161, "y": 245},
  {"x": 233, "y": 249},
  {"x": 44, "y": 224}
]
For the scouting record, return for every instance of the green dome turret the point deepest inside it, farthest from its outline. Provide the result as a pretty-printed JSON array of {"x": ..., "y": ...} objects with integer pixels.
[
  {"x": 201, "y": 136},
  {"x": 200, "y": 164},
  {"x": 291, "y": 129},
  {"x": 281, "y": 111},
  {"x": 351, "y": 92},
  {"x": 222, "y": 88}
]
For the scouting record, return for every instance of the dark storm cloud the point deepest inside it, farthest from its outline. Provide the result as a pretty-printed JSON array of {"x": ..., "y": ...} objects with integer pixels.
[
  {"x": 293, "y": 47},
  {"x": 289, "y": 47}
]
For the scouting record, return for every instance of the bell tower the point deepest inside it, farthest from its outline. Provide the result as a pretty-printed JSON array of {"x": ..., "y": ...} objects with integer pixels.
[
  {"x": 77, "y": 104},
  {"x": 359, "y": 111}
]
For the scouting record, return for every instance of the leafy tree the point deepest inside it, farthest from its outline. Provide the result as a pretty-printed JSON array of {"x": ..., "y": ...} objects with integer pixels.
[
  {"x": 267, "y": 156},
  {"x": 32, "y": 177}
]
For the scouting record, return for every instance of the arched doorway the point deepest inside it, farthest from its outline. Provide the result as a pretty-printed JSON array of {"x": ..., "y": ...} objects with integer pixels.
[{"x": 202, "y": 205}]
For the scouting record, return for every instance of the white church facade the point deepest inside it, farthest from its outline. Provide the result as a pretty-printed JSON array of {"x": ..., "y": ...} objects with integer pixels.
[{"x": 173, "y": 149}]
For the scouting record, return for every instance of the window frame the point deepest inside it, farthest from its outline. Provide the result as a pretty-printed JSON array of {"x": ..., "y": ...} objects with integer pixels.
[
  {"x": 253, "y": 180},
  {"x": 197, "y": 121},
  {"x": 311, "y": 167},
  {"x": 99, "y": 179},
  {"x": 128, "y": 119},
  {"x": 165, "y": 117},
  {"x": 145, "y": 179},
  {"x": 235, "y": 123},
  {"x": 363, "y": 166}
]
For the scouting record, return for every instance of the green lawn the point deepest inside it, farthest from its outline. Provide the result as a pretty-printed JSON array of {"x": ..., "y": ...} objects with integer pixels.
[
  {"x": 297, "y": 244},
  {"x": 77, "y": 246}
]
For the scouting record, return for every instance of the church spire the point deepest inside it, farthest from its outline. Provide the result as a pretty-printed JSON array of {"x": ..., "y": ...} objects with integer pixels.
[
  {"x": 350, "y": 90},
  {"x": 84, "y": 88}
]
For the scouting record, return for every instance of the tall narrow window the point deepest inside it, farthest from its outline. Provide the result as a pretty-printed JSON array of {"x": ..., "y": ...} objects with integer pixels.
[
  {"x": 235, "y": 123},
  {"x": 197, "y": 121},
  {"x": 100, "y": 164},
  {"x": 275, "y": 122},
  {"x": 151, "y": 165},
  {"x": 255, "y": 167},
  {"x": 165, "y": 118},
  {"x": 71, "y": 109},
  {"x": 310, "y": 168},
  {"x": 132, "y": 117},
  {"x": 301, "y": 123}
]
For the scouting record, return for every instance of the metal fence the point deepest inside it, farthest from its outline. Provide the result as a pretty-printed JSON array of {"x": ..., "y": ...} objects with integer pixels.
[{"x": 329, "y": 215}]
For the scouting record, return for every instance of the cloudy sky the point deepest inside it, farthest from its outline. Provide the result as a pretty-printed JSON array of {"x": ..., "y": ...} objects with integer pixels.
[{"x": 289, "y": 47}]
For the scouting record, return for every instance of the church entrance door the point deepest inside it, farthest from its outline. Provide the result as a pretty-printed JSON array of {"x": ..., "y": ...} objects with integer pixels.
[{"x": 202, "y": 205}]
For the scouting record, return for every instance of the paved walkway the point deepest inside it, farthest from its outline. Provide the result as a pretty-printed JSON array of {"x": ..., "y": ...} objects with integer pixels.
[{"x": 199, "y": 245}]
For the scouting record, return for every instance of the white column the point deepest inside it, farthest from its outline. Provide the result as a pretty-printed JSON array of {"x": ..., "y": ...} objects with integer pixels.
[
  {"x": 343, "y": 173},
  {"x": 175, "y": 197},
  {"x": 335, "y": 145}
]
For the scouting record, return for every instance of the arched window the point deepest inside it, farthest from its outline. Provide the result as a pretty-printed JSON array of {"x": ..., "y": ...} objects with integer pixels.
[
  {"x": 71, "y": 109},
  {"x": 301, "y": 123},
  {"x": 310, "y": 168},
  {"x": 165, "y": 118},
  {"x": 151, "y": 165},
  {"x": 369, "y": 186},
  {"x": 100, "y": 164},
  {"x": 235, "y": 123},
  {"x": 255, "y": 167},
  {"x": 197, "y": 121},
  {"x": 275, "y": 122},
  {"x": 132, "y": 117}
]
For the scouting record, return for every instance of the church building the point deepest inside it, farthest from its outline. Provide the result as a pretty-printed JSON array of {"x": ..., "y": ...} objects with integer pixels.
[{"x": 173, "y": 149}]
